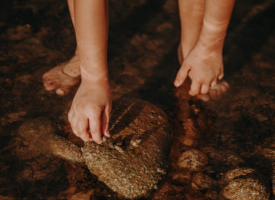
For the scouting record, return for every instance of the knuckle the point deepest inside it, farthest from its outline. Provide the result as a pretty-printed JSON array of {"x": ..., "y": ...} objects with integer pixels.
[{"x": 80, "y": 130}]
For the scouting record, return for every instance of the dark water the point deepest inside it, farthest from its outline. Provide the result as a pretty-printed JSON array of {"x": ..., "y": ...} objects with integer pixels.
[{"x": 143, "y": 38}]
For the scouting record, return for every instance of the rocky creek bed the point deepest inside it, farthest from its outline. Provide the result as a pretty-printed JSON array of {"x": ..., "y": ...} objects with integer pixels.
[{"x": 221, "y": 150}]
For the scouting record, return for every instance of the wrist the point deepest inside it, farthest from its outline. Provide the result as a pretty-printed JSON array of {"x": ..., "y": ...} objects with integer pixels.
[
  {"x": 94, "y": 73},
  {"x": 212, "y": 36}
]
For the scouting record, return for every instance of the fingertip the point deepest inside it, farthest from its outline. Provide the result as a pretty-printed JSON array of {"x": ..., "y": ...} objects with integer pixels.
[
  {"x": 195, "y": 88},
  {"x": 96, "y": 136},
  {"x": 204, "y": 89},
  {"x": 107, "y": 134},
  {"x": 181, "y": 76},
  {"x": 191, "y": 93},
  {"x": 98, "y": 142},
  {"x": 214, "y": 83},
  {"x": 177, "y": 83},
  {"x": 221, "y": 76}
]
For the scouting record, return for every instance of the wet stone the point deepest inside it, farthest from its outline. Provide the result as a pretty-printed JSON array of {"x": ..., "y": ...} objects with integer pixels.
[
  {"x": 232, "y": 174},
  {"x": 181, "y": 178},
  {"x": 245, "y": 183},
  {"x": 202, "y": 181},
  {"x": 192, "y": 160},
  {"x": 123, "y": 169},
  {"x": 225, "y": 158}
]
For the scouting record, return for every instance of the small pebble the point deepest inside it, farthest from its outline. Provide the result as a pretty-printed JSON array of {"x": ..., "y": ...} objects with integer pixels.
[{"x": 192, "y": 160}]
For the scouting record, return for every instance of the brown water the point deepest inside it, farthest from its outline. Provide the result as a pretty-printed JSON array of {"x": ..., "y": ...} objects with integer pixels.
[{"x": 144, "y": 34}]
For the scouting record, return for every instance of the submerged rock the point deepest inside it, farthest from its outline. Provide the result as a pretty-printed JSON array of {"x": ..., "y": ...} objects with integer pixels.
[
  {"x": 193, "y": 160},
  {"x": 133, "y": 162},
  {"x": 245, "y": 183},
  {"x": 202, "y": 181},
  {"x": 227, "y": 159}
]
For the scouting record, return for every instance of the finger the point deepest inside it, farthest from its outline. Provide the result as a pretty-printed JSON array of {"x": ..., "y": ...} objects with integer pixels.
[
  {"x": 221, "y": 76},
  {"x": 195, "y": 88},
  {"x": 73, "y": 122},
  {"x": 214, "y": 83},
  {"x": 70, "y": 114},
  {"x": 181, "y": 76},
  {"x": 203, "y": 97},
  {"x": 82, "y": 131},
  {"x": 105, "y": 123},
  {"x": 95, "y": 126},
  {"x": 204, "y": 89}
]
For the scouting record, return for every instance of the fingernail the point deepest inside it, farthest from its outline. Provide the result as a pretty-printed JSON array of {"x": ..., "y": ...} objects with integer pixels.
[
  {"x": 177, "y": 84},
  {"x": 107, "y": 134}
]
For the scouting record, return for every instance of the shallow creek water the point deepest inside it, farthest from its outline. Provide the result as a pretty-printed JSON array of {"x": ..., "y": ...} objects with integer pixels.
[{"x": 233, "y": 133}]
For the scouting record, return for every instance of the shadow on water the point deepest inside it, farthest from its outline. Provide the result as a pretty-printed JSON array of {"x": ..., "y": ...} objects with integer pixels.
[{"x": 158, "y": 88}]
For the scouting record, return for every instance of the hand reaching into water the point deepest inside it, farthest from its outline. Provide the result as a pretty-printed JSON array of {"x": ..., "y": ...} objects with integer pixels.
[
  {"x": 205, "y": 68},
  {"x": 91, "y": 108}
]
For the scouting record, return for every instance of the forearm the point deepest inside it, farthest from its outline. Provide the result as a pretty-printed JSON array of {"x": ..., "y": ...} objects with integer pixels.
[
  {"x": 91, "y": 27},
  {"x": 215, "y": 23}
]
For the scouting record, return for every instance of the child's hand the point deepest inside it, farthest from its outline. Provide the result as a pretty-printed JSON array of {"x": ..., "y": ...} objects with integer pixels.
[
  {"x": 204, "y": 67},
  {"x": 91, "y": 108}
]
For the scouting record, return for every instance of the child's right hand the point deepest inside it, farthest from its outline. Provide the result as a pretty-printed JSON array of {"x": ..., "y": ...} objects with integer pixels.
[
  {"x": 204, "y": 67},
  {"x": 91, "y": 108}
]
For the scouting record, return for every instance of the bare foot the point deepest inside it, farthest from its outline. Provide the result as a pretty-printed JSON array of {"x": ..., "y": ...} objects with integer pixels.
[
  {"x": 215, "y": 92},
  {"x": 63, "y": 77}
]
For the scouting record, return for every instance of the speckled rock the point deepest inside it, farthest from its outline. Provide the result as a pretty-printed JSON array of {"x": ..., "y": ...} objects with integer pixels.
[
  {"x": 202, "y": 181},
  {"x": 226, "y": 158},
  {"x": 192, "y": 160},
  {"x": 232, "y": 174},
  {"x": 245, "y": 183},
  {"x": 39, "y": 137},
  {"x": 133, "y": 162}
]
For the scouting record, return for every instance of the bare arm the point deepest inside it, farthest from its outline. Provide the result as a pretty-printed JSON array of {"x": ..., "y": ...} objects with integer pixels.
[
  {"x": 215, "y": 23},
  {"x": 92, "y": 103},
  {"x": 204, "y": 64}
]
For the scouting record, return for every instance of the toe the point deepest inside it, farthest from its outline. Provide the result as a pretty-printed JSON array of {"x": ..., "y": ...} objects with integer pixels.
[
  {"x": 226, "y": 84},
  {"x": 49, "y": 86},
  {"x": 213, "y": 94},
  {"x": 224, "y": 88}
]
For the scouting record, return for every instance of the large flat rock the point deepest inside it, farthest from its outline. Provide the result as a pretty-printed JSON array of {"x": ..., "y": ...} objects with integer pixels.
[{"x": 133, "y": 162}]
